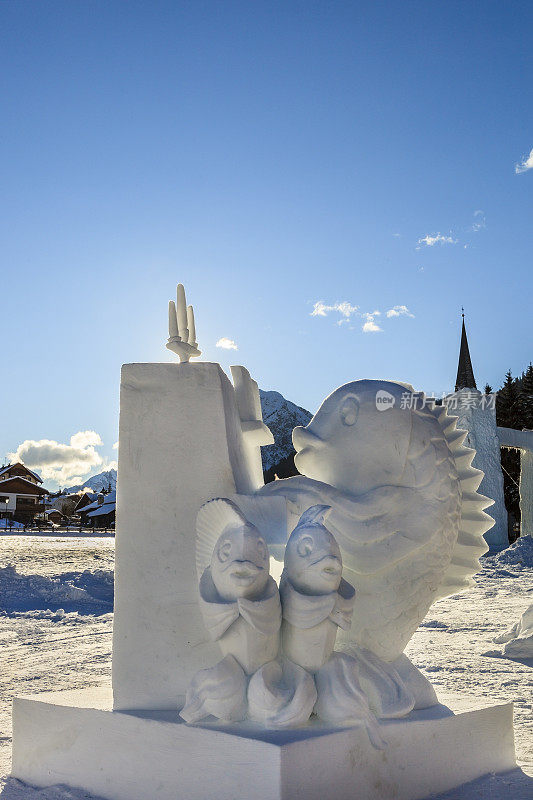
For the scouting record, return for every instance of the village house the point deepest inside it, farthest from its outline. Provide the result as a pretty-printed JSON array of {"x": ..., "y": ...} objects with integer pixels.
[
  {"x": 84, "y": 500},
  {"x": 101, "y": 512},
  {"x": 52, "y": 515},
  {"x": 21, "y": 495}
]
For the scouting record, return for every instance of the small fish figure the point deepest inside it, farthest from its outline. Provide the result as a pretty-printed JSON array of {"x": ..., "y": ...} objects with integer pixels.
[
  {"x": 316, "y": 600},
  {"x": 239, "y": 599},
  {"x": 240, "y": 563},
  {"x": 240, "y": 604}
]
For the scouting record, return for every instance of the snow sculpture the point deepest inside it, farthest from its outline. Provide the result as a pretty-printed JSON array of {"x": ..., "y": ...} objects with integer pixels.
[
  {"x": 388, "y": 490},
  {"x": 408, "y": 522},
  {"x": 187, "y": 435},
  {"x": 219, "y": 691},
  {"x": 281, "y": 695},
  {"x": 181, "y": 328},
  {"x": 254, "y": 431},
  {"x": 240, "y": 606},
  {"x": 518, "y": 640},
  {"x": 316, "y": 600},
  {"x": 405, "y": 512}
]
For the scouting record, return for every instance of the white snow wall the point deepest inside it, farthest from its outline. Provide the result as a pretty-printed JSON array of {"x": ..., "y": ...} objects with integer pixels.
[
  {"x": 523, "y": 441},
  {"x": 478, "y": 417},
  {"x": 180, "y": 444},
  {"x": 526, "y": 493}
]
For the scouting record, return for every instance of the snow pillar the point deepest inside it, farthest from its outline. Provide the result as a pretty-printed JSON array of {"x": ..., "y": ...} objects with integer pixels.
[
  {"x": 526, "y": 493},
  {"x": 523, "y": 441},
  {"x": 477, "y": 415},
  {"x": 180, "y": 443}
]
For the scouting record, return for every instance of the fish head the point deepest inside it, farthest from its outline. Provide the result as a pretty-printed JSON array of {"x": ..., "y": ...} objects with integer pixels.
[
  {"x": 240, "y": 563},
  {"x": 358, "y": 439},
  {"x": 313, "y": 561}
]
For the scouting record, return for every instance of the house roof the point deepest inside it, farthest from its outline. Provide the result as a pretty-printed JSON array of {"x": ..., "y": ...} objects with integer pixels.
[
  {"x": 109, "y": 500},
  {"x": 84, "y": 500},
  {"x": 105, "y": 508},
  {"x": 23, "y": 466},
  {"x": 88, "y": 507},
  {"x": 18, "y": 485}
]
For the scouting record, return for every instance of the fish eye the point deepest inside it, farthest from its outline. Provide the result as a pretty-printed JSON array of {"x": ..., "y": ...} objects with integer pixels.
[
  {"x": 349, "y": 411},
  {"x": 305, "y": 545},
  {"x": 224, "y": 551}
]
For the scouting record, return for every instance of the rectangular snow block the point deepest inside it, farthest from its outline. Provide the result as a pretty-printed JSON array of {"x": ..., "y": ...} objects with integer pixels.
[
  {"x": 75, "y": 738},
  {"x": 180, "y": 445}
]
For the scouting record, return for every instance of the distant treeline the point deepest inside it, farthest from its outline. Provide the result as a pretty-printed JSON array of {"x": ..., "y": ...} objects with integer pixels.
[{"x": 514, "y": 409}]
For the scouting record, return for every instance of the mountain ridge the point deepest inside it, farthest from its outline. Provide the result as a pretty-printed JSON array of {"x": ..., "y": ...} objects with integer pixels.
[
  {"x": 103, "y": 480},
  {"x": 281, "y": 416}
]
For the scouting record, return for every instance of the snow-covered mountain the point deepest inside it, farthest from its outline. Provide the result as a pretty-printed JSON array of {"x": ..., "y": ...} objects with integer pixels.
[
  {"x": 281, "y": 416},
  {"x": 104, "y": 480}
]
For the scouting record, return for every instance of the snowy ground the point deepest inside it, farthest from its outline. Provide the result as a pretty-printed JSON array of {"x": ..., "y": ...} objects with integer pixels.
[{"x": 56, "y": 621}]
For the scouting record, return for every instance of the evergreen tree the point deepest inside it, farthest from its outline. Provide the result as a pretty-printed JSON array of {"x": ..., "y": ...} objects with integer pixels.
[
  {"x": 514, "y": 409},
  {"x": 510, "y": 459},
  {"x": 524, "y": 401},
  {"x": 506, "y": 403},
  {"x": 488, "y": 388}
]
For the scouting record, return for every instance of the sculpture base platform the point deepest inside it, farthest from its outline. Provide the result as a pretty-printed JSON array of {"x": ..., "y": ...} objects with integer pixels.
[{"x": 74, "y": 738}]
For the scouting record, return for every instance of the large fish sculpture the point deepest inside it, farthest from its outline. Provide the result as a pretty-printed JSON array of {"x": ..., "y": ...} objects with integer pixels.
[{"x": 406, "y": 512}]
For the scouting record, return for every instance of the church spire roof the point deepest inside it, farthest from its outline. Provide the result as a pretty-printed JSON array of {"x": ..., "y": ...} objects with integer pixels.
[{"x": 465, "y": 373}]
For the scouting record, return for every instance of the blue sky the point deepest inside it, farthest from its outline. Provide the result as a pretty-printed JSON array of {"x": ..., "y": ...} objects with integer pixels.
[{"x": 269, "y": 155}]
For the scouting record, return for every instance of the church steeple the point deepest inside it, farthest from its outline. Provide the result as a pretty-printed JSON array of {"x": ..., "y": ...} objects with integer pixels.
[{"x": 465, "y": 374}]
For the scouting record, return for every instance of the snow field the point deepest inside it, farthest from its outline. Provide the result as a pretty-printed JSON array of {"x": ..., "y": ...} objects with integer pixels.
[{"x": 56, "y": 625}]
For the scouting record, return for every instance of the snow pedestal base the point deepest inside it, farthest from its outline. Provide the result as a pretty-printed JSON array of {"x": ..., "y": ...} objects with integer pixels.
[{"x": 74, "y": 738}]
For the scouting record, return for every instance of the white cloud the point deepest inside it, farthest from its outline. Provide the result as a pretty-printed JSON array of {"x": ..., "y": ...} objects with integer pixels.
[
  {"x": 226, "y": 344},
  {"x": 320, "y": 309},
  {"x": 345, "y": 309},
  {"x": 115, "y": 446},
  {"x": 370, "y": 326},
  {"x": 525, "y": 164},
  {"x": 479, "y": 221},
  {"x": 399, "y": 311},
  {"x": 430, "y": 240},
  {"x": 85, "y": 439},
  {"x": 59, "y": 462}
]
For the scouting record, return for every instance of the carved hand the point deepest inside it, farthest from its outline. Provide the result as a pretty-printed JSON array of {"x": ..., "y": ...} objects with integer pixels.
[{"x": 181, "y": 328}]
